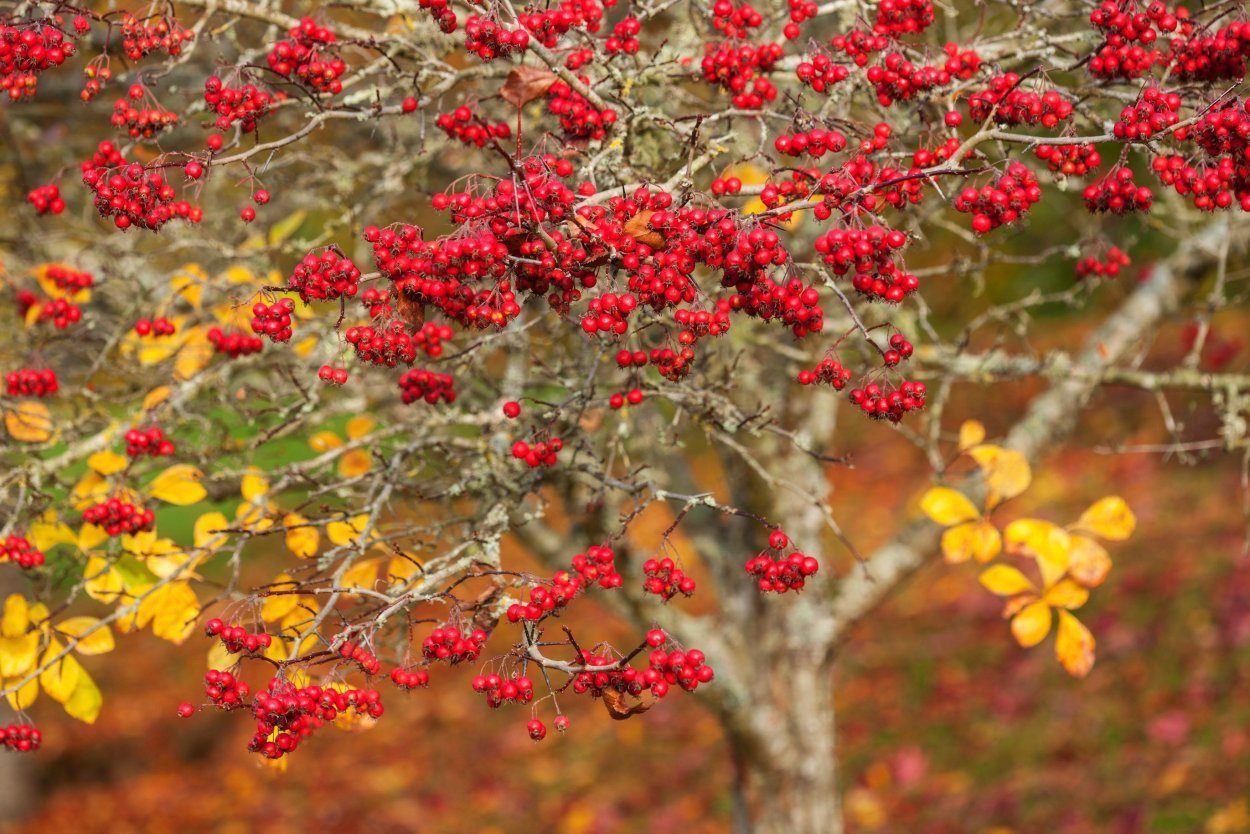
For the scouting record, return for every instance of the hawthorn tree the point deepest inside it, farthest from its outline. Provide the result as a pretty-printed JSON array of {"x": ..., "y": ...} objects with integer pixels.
[{"x": 315, "y": 318}]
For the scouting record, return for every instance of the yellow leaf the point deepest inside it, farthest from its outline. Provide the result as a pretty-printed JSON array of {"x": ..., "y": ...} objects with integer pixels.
[
  {"x": 254, "y": 485},
  {"x": 195, "y": 355},
  {"x": 304, "y": 347},
  {"x": 16, "y": 616},
  {"x": 303, "y": 541},
  {"x": 86, "y": 700},
  {"x": 156, "y": 396},
  {"x": 359, "y": 426},
  {"x": 208, "y": 527},
  {"x": 179, "y": 484},
  {"x": 59, "y": 677},
  {"x": 1066, "y": 593},
  {"x": 363, "y": 574},
  {"x": 946, "y": 506},
  {"x": 219, "y": 657},
  {"x": 91, "y": 536},
  {"x": 324, "y": 441},
  {"x": 108, "y": 463},
  {"x": 1074, "y": 645},
  {"x": 18, "y": 654},
  {"x": 172, "y": 609},
  {"x": 24, "y": 697},
  {"x": 153, "y": 353},
  {"x": 1007, "y": 472},
  {"x": 1109, "y": 518},
  {"x": 286, "y": 227},
  {"x": 978, "y": 540},
  {"x": 355, "y": 462},
  {"x": 344, "y": 532},
  {"x": 402, "y": 569},
  {"x": 90, "y": 489},
  {"x": 1090, "y": 562},
  {"x": 29, "y": 422},
  {"x": 278, "y": 605},
  {"x": 239, "y": 275},
  {"x": 970, "y": 434},
  {"x": 251, "y": 517},
  {"x": 1047, "y": 543},
  {"x": 103, "y": 582},
  {"x": 46, "y": 535},
  {"x": 1032, "y": 624},
  {"x": 189, "y": 286},
  {"x": 99, "y": 641},
  {"x": 1006, "y": 581}
]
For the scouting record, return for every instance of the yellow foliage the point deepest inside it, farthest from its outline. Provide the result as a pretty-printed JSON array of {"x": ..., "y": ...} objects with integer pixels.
[
  {"x": 171, "y": 609},
  {"x": 1007, "y": 472},
  {"x": 179, "y": 484},
  {"x": 29, "y": 422},
  {"x": 99, "y": 641},
  {"x": 946, "y": 506},
  {"x": 1074, "y": 646},
  {"x": 1110, "y": 518},
  {"x": 979, "y": 540},
  {"x": 108, "y": 463},
  {"x": 85, "y": 701},
  {"x": 59, "y": 677},
  {"x": 301, "y": 540}
]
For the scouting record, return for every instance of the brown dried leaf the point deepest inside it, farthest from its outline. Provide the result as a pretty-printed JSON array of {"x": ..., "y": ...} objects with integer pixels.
[
  {"x": 410, "y": 310},
  {"x": 526, "y": 83},
  {"x": 615, "y": 702},
  {"x": 638, "y": 229}
]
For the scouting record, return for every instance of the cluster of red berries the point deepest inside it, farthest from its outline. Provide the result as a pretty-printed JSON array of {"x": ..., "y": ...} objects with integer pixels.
[
  {"x": 287, "y": 714},
  {"x": 490, "y": 40},
  {"x": 246, "y": 105},
  {"x": 737, "y": 68},
  {"x": 1155, "y": 112},
  {"x": 388, "y": 347},
  {"x": 594, "y": 680},
  {"x": 596, "y": 566},
  {"x": 151, "y": 442},
  {"x": 898, "y": 79},
  {"x": 273, "y": 320},
  {"x": 362, "y": 657},
  {"x": 1212, "y": 187},
  {"x": 924, "y": 157},
  {"x": 70, "y": 281},
  {"x": 609, "y": 313},
  {"x": 309, "y": 56},
  {"x": 665, "y": 579},
  {"x": 1109, "y": 266},
  {"x": 1069, "y": 160},
  {"x": 777, "y": 573},
  {"x": 578, "y": 58},
  {"x": 20, "y": 551},
  {"x": 549, "y": 24},
  {"x": 869, "y": 253},
  {"x": 429, "y": 339},
  {"x": 119, "y": 518},
  {"x": 157, "y": 327},
  {"x": 31, "y": 383},
  {"x": 141, "y": 37},
  {"x": 234, "y": 343},
  {"x": 1117, "y": 193},
  {"x": 517, "y": 689},
  {"x": 578, "y": 117},
  {"x": 881, "y": 404},
  {"x": 859, "y": 45},
  {"x": 133, "y": 194},
  {"x": 1218, "y": 57},
  {"x": 820, "y": 72},
  {"x": 1130, "y": 37},
  {"x": 46, "y": 199},
  {"x": 696, "y": 324},
  {"x": 816, "y": 142},
  {"x": 223, "y": 689},
  {"x": 141, "y": 122},
  {"x": 459, "y": 125},
  {"x": 676, "y": 668},
  {"x": 237, "y": 638},
  {"x": 899, "y": 350},
  {"x": 430, "y": 386},
  {"x": 21, "y": 738},
  {"x": 624, "y": 37},
  {"x": 61, "y": 312},
  {"x": 631, "y": 359},
  {"x": 903, "y": 17},
  {"x": 542, "y": 453},
  {"x": 1011, "y": 105},
  {"x": 827, "y": 370},
  {"x": 26, "y": 51},
  {"x": 440, "y": 11},
  {"x": 617, "y": 400},
  {"x": 450, "y": 644},
  {"x": 734, "y": 21},
  {"x": 1004, "y": 202},
  {"x": 410, "y": 678},
  {"x": 800, "y": 11},
  {"x": 329, "y": 373}
]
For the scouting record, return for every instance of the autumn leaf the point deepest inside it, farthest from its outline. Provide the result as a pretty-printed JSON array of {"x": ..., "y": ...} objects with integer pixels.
[
  {"x": 1048, "y": 544},
  {"x": 970, "y": 434},
  {"x": 108, "y": 463},
  {"x": 346, "y": 532},
  {"x": 525, "y": 84},
  {"x": 1031, "y": 624},
  {"x": 324, "y": 441},
  {"x": 254, "y": 485},
  {"x": 1109, "y": 518},
  {"x": 208, "y": 532},
  {"x": 1074, "y": 645},
  {"x": 946, "y": 506},
  {"x": 1006, "y": 581},
  {"x": 59, "y": 676},
  {"x": 617, "y": 708},
  {"x": 302, "y": 539},
  {"x": 102, "y": 581},
  {"x": 179, "y": 484},
  {"x": 1089, "y": 561},
  {"x": 23, "y": 697},
  {"x": 359, "y": 426},
  {"x": 1007, "y": 472},
  {"x": 99, "y": 641},
  {"x": 172, "y": 609},
  {"x": 354, "y": 463},
  {"x": 979, "y": 540},
  {"x": 29, "y": 422},
  {"x": 85, "y": 701}
]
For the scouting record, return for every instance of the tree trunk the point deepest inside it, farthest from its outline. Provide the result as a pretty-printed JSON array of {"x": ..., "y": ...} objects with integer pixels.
[{"x": 782, "y": 742}]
